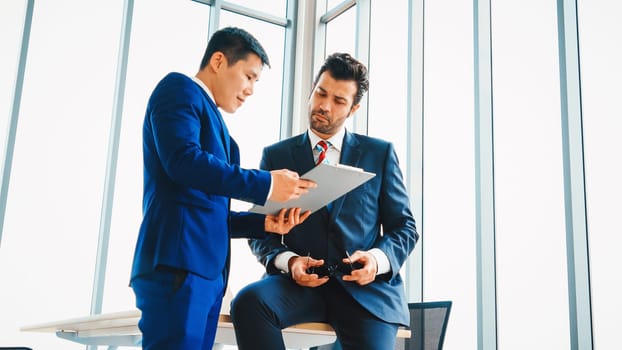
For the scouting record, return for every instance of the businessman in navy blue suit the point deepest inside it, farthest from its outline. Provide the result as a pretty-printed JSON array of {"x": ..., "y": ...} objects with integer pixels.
[
  {"x": 191, "y": 172},
  {"x": 342, "y": 264}
]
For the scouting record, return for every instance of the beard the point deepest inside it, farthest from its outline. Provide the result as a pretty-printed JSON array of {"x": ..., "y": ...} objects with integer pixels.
[{"x": 320, "y": 121}]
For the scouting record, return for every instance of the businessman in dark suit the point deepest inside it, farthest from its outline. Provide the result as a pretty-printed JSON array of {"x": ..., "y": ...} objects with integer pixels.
[
  {"x": 191, "y": 172},
  {"x": 342, "y": 264}
]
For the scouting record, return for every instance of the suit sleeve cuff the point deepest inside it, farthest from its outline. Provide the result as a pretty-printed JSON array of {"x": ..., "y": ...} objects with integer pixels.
[
  {"x": 384, "y": 265},
  {"x": 281, "y": 261}
]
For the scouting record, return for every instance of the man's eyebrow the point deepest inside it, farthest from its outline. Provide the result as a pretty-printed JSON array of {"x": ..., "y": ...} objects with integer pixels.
[{"x": 341, "y": 98}]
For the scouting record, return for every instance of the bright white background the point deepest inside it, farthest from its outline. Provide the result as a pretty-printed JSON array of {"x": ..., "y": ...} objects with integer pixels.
[{"x": 50, "y": 233}]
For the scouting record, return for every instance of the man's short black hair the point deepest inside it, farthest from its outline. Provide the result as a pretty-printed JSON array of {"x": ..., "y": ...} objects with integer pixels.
[
  {"x": 342, "y": 66},
  {"x": 236, "y": 44}
]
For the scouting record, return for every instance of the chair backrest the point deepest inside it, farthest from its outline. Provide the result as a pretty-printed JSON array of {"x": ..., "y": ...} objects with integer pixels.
[{"x": 428, "y": 323}]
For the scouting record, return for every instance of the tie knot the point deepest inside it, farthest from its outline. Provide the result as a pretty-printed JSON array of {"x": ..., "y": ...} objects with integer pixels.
[{"x": 322, "y": 146}]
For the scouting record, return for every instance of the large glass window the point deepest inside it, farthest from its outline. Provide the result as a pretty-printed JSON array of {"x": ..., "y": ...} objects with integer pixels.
[
  {"x": 341, "y": 33},
  {"x": 341, "y": 37},
  {"x": 601, "y": 74},
  {"x": 272, "y": 7},
  {"x": 156, "y": 48},
  {"x": 529, "y": 196},
  {"x": 332, "y": 3},
  {"x": 448, "y": 199},
  {"x": 52, "y": 221},
  {"x": 11, "y": 26},
  {"x": 387, "y": 76},
  {"x": 51, "y": 227}
]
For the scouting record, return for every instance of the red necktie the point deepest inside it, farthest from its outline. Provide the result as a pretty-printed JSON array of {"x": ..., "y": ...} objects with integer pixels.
[{"x": 321, "y": 147}]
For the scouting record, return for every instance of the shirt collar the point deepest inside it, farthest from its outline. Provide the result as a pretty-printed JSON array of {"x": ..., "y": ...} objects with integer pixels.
[
  {"x": 204, "y": 87},
  {"x": 336, "y": 141}
]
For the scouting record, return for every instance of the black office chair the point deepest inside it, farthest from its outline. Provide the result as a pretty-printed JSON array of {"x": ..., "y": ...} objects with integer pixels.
[{"x": 428, "y": 323}]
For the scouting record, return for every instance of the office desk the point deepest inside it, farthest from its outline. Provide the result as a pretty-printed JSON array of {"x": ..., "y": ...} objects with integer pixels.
[{"x": 121, "y": 329}]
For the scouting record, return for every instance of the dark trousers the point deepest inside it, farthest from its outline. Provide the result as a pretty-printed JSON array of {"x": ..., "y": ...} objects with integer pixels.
[
  {"x": 262, "y": 309},
  {"x": 179, "y": 309}
]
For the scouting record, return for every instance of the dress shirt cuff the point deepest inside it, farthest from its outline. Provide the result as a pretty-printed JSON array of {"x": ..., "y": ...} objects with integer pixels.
[
  {"x": 281, "y": 261},
  {"x": 384, "y": 265}
]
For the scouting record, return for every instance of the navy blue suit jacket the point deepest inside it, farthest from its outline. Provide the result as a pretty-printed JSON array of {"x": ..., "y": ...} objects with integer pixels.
[
  {"x": 374, "y": 215},
  {"x": 191, "y": 170}
]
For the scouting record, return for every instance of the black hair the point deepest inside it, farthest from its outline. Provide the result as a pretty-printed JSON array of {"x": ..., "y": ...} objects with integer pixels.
[
  {"x": 236, "y": 44},
  {"x": 342, "y": 66}
]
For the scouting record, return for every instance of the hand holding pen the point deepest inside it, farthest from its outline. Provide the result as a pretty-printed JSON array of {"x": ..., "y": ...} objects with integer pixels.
[
  {"x": 367, "y": 268},
  {"x": 298, "y": 267}
]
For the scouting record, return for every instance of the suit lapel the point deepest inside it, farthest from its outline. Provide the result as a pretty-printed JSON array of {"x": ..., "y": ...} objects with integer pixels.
[
  {"x": 225, "y": 135},
  {"x": 350, "y": 155},
  {"x": 302, "y": 156},
  {"x": 227, "y": 138},
  {"x": 350, "y": 152},
  {"x": 224, "y": 132}
]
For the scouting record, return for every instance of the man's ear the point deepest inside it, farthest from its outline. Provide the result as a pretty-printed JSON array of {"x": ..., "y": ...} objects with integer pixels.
[
  {"x": 217, "y": 61},
  {"x": 354, "y": 109}
]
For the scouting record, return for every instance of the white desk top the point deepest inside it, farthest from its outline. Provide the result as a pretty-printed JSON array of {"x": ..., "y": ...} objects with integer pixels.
[{"x": 121, "y": 329}]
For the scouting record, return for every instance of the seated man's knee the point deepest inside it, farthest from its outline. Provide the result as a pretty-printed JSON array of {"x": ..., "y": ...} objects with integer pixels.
[{"x": 247, "y": 300}]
